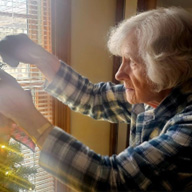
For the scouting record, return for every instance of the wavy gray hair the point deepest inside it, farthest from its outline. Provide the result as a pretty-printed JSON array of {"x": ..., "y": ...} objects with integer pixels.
[{"x": 164, "y": 38}]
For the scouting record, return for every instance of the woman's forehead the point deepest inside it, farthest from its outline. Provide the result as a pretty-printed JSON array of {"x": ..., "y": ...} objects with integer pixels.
[{"x": 129, "y": 47}]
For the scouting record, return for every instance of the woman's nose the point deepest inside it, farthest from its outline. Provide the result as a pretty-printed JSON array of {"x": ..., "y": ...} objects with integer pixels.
[{"x": 121, "y": 73}]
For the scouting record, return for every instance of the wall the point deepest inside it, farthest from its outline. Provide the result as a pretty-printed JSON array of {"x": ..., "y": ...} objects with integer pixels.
[
  {"x": 186, "y": 4},
  {"x": 91, "y": 20},
  {"x": 130, "y": 8}
]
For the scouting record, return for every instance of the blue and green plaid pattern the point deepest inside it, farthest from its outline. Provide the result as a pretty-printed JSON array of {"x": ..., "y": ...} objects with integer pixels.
[{"x": 160, "y": 154}]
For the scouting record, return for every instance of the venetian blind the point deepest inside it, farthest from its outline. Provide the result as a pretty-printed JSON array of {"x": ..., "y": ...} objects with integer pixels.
[{"x": 31, "y": 17}]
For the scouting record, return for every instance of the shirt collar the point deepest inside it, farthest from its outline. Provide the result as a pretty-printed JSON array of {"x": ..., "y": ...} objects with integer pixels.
[{"x": 174, "y": 103}]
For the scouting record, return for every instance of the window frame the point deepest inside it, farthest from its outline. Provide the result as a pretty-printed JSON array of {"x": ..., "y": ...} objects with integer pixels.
[{"x": 61, "y": 47}]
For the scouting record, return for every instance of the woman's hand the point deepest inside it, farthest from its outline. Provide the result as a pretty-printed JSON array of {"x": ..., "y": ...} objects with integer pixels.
[
  {"x": 14, "y": 100},
  {"x": 17, "y": 105},
  {"x": 20, "y": 48}
]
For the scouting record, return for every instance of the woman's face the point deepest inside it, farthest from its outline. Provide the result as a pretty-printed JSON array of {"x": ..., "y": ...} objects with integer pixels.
[{"x": 139, "y": 89}]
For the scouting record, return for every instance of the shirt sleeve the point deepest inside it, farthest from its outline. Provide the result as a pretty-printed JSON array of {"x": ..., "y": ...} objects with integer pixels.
[
  {"x": 151, "y": 166},
  {"x": 101, "y": 101}
]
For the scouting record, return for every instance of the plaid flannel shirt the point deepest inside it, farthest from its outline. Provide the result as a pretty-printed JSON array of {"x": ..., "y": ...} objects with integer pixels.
[{"x": 160, "y": 154}]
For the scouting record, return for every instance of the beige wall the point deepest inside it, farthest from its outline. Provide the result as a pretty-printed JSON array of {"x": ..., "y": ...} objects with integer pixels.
[
  {"x": 186, "y": 4},
  {"x": 130, "y": 8},
  {"x": 91, "y": 20}
]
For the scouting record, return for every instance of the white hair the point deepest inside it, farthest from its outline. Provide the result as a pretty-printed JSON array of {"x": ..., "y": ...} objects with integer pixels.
[{"x": 164, "y": 39}]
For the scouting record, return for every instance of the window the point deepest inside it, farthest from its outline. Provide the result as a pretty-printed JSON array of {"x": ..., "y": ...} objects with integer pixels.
[{"x": 31, "y": 17}]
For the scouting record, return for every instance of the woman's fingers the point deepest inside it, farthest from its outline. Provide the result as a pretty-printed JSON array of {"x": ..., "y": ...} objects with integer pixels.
[
  {"x": 20, "y": 48},
  {"x": 14, "y": 101},
  {"x": 9, "y": 47}
]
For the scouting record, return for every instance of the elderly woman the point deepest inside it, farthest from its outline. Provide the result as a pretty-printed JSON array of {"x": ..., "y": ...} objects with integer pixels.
[{"x": 155, "y": 98}]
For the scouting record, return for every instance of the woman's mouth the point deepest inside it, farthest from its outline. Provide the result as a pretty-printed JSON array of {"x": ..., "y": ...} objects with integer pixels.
[{"x": 129, "y": 89}]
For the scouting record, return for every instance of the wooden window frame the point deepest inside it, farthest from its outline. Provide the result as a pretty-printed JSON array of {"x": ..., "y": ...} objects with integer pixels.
[
  {"x": 61, "y": 47},
  {"x": 144, "y": 5}
]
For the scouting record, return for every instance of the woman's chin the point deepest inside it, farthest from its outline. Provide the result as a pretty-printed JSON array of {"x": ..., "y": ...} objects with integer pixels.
[{"x": 131, "y": 99}]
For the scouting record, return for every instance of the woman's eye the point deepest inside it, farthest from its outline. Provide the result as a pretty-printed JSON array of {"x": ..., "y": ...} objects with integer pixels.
[{"x": 133, "y": 63}]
